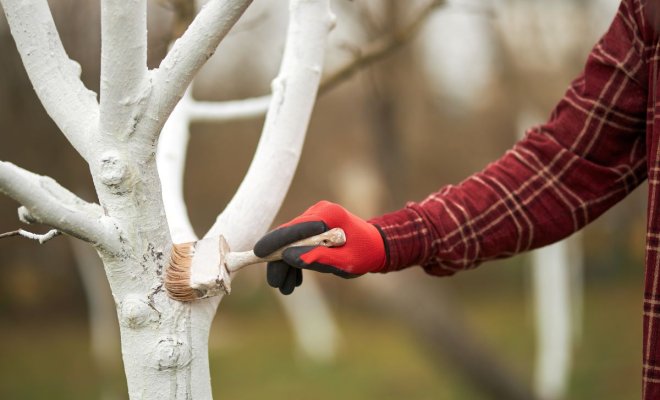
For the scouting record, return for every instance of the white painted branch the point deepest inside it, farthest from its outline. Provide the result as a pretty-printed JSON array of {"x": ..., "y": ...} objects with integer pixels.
[
  {"x": 186, "y": 57},
  {"x": 49, "y": 203},
  {"x": 41, "y": 238},
  {"x": 206, "y": 111},
  {"x": 252, "y": 209},
  {"x": 55, "y": 77},
  {"x": 124, "y": 87},
  {"x": 171, "y": 160}
]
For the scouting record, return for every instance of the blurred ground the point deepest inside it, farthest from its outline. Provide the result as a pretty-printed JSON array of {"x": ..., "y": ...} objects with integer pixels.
[{"x": 252, "y": 354}]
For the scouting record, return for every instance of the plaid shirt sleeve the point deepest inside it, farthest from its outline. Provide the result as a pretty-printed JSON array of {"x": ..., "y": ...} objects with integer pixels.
[{"x": 559, "y": 177}]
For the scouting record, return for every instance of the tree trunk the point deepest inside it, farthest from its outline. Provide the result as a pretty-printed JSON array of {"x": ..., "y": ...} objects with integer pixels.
[{"x": 164, "y": 342}]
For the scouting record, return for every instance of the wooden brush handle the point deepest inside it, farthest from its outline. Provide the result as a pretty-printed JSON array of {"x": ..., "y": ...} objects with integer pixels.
[{"x": 332, "y": 238}]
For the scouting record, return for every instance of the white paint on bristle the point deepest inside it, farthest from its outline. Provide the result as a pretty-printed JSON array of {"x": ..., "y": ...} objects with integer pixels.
[{"x": 207, "y": 271}]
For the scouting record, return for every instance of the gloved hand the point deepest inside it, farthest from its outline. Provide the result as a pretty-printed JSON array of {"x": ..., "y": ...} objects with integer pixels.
[{"x": 363, "y": 252}]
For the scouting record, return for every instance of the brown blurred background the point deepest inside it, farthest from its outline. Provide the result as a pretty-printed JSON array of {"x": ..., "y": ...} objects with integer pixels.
[{"x": 429, "y": 114}]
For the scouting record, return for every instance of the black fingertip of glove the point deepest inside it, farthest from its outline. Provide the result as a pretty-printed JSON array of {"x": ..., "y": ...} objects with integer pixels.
[
  {"x": 292, "y": 257},
  {"x": 289, "y": 282},
  {"x": 276, "y": 272},
  {"x": 275, "y": 240},
  {"x": 299, "y": 277}
]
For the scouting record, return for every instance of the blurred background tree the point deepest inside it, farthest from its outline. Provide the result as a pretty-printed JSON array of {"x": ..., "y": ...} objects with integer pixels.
[{"x": 434, "y": 111}]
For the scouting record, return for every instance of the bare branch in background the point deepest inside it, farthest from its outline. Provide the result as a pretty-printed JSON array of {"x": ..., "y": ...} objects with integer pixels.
[
  {"x": 373, "y": 52},
  {"x": 184, "y": 13},
  {"x": 380, "y": 48}
]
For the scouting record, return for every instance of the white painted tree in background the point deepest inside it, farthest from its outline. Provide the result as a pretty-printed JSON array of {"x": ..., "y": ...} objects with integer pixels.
[{"x": 164, "y": 343}]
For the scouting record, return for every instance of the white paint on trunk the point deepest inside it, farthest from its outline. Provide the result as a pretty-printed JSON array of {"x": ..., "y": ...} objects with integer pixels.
[{"x": 164, "y": 342}]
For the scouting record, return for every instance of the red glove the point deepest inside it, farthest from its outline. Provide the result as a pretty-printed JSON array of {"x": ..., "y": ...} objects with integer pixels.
[{"x": 363, "y": 252}]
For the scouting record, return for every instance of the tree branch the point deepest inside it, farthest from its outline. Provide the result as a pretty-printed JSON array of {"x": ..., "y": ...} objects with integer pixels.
[
  {"x": 214, "y": 111},
  {"x": 33, "y": 236},
  {"x": 46, "y": 202},
  {"x": 124, "y": 87},
  {"x": 379, "y": 49},
  {"x": 171, "y": 160},
  {"x": 55, "y": 77},
  {"x": 185, "y": 58},
  {"x": 278, "y": 152}
]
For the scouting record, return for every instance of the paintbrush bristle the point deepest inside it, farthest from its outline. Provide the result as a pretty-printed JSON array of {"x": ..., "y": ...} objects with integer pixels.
[{"x": 177, "y": 276}]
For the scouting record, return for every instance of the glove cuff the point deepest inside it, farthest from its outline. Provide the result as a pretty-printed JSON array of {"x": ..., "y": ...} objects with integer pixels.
[
  {"x": 386, "y": 247},
  {"x": 405, "y": 237}
]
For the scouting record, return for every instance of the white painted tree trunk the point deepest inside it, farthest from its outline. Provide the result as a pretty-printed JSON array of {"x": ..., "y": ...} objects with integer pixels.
[{"x": 164, "y": 342}]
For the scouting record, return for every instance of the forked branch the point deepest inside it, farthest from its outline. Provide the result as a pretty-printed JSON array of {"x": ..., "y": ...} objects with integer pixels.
[{"x": 45, "y": 201}]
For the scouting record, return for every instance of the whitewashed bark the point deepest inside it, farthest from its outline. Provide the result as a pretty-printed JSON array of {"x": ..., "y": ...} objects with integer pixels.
[
  {"x": 124, "y": 86},
  {"x": 171, "y": 158},
  {"x": 164, "y": 342},
  {"x": 45, "y": 201},
  {"x": 207, "y": 111}
]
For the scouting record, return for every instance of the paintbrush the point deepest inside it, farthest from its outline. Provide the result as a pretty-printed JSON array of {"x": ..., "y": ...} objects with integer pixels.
[{"x": 202, "y": 269}]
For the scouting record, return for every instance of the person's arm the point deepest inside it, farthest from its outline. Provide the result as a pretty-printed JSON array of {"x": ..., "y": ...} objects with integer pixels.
[{"x": 561, "y": 176}]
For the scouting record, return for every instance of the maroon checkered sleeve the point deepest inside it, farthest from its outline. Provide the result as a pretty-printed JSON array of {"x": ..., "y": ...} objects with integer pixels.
[{"x": 562, "y": 175}]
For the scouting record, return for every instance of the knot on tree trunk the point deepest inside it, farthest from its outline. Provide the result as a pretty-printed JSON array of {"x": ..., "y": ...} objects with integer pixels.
[
  {"x": 172, "y": 353},
  {"x": 114, "y": 173},
  {"x": 136, "y": 312}
]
